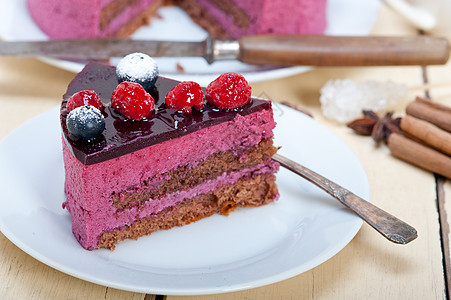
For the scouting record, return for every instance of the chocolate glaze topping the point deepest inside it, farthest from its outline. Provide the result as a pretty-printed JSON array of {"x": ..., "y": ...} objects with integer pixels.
[{"x": 122, "y": 136}]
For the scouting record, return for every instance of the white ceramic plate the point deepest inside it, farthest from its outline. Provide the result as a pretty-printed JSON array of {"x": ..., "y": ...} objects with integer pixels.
[
  {"x": 345, "y": 17},
  {"x": 250, "y": 248}
]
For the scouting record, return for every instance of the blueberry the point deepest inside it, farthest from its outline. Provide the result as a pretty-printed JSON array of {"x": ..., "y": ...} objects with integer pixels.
[
  {"x": 139, "y": 68},
  {"x": 85, "y": 122}
]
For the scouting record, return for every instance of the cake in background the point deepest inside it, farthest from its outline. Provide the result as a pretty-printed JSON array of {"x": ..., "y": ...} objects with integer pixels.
[{"x": 60, "y": 19}]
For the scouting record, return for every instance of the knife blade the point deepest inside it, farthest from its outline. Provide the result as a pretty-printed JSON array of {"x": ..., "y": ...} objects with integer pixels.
[{"x": 281, "y": 50}]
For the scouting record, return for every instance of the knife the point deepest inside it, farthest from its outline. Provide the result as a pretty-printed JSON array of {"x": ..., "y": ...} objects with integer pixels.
[{"x": 281, "y": 50}]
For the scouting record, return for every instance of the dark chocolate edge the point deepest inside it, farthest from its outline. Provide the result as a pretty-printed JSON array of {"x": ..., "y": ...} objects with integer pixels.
[{"x": 143, "y": 142}]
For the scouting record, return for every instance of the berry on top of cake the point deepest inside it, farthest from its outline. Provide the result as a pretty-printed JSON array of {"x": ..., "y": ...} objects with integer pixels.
[
  {"x": 229, "y": 91},
  {"x": 139, "y": 68},
  {"x": 132, "y": 101},
  {"x": 166, "y": 156},
  {"x": 184, "y": 96},
  {"x": 85, "y": 122},
  {"x": 81, "y": 98},
  {"x": 222, "y": 19}
]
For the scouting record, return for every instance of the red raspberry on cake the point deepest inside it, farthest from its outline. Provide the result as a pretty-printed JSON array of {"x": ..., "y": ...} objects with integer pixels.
[
  {"x": 229, "y": 91},
  {"x": 132, "y": 101},
  {"x": 83, "y": 98},
  {"x": 184, "y": 96}
]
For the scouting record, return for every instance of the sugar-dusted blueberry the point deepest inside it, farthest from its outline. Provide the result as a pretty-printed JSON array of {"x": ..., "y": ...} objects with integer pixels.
[
  {"x": 85, "y": 122},
  {"x": 139, "y": 68}
]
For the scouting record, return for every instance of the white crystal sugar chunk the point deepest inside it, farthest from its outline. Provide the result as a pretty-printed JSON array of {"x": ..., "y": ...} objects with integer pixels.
[{"x": 344, "y": 100}]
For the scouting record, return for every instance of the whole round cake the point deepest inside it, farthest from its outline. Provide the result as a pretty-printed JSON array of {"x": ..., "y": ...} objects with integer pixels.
[{"x": 61, "y": 19}]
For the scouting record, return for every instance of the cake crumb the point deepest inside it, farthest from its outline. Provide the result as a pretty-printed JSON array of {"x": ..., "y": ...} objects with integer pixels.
[{"x": 180, "y": 68}]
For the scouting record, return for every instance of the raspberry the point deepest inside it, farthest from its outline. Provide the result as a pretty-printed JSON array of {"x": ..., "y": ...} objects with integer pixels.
[
  {"x": 229, "y": 91},
  {"x": 132, "y": 101},
  {"x": 184, "y": 96},
  {"x": 82, "y": 98}
]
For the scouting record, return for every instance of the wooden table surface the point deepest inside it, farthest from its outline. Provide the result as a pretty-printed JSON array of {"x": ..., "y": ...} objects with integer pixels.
[{"x": 369, "y": 267}]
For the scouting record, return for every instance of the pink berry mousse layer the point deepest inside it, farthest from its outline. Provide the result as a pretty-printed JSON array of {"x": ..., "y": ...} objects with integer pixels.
[
  {"x": 62, "y": 19},
  {"x": 89, "y": 187}
]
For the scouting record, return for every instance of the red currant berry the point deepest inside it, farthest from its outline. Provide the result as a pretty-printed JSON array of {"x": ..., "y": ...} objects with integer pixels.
[
  {"x": 132, "y": 101},
  {"x": 229, "y": 91},
  {"x": 83, "y": 98},
  {"x": 184, "y": 96}
]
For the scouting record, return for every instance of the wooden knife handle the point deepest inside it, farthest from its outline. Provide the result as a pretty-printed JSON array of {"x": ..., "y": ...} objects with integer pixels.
[{"x": 316, "y": 50}]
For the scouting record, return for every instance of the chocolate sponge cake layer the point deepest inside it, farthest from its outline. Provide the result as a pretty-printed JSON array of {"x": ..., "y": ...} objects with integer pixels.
[
  {"x": 255, "y": 191},
  {"x": 126, "y": 30},
  {"x": 185, "y": 177},
  {"x": 112, "y": 10},
  {"x": 202, "y": 16}
]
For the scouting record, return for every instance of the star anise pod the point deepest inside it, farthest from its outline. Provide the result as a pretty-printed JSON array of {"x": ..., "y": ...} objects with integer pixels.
[{"x": 378, "y": 128}]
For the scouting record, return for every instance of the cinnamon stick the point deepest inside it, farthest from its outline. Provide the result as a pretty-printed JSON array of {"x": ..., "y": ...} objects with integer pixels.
[
  {"x": 431, "y": 113},
  {"x": 419, "y": 155},
  {"x": 427, "y": 133},
  {"x": 433, "y": 104}
]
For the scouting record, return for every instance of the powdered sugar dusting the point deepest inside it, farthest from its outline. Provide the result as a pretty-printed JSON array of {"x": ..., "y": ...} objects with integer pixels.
[
  {"x": 137, "y": 67},
  {"x": 84, "y": 113},
  {"x": 85, "y": 122}
]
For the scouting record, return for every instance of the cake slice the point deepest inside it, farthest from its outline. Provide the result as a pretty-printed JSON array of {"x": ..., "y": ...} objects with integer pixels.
[{"x": 170, "y": 168}]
